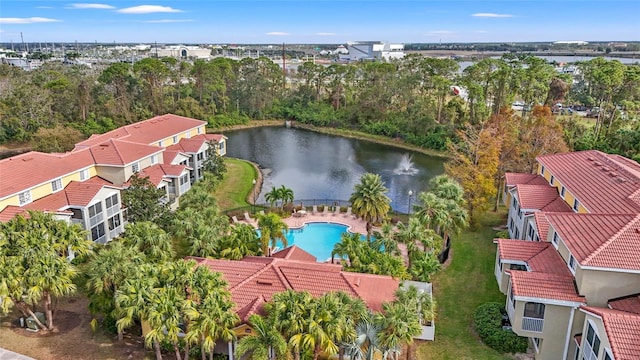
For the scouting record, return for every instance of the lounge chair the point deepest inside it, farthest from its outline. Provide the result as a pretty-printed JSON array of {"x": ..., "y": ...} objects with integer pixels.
[
  {"x": 325, "y": 211},
  {"x": 315, "y": 209},
  {"x": 348, "y": 213},
  {"x": 235, "y": 219},
  {"x": 247, "y": 217},
  {"x": 336, "y": 211}
]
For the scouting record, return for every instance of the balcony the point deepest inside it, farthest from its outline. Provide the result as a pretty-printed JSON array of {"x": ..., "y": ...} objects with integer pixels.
[
  {"x": 510, "y": 310},
  {"x": 532, "y": 324}
]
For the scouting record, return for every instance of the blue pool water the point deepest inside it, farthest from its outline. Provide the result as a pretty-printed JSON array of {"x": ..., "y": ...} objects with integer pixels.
[{"x": 317, "y": 239}]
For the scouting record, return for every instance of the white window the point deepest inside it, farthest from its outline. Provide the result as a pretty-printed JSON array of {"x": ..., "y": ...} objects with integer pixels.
[
  {"x": 56, "y": 185},
  {"x": 114, "y": 222},
  {"x": 554, "y": 241},
  {"x": 562, "y": 192},
  {"x": 542, "y": 170},
  {"x": 572, "y": 264},
  {"x": 187, "y": 135},
  {"x": 97, "y": 232},
  {"x": 607, "y": 354},
  {"x": 135, "y": 167},
  {"x": 111, "y": 201},
  {"x": 552, "y": 180},
  {"x": 160, "y": 143},
  {"x": 175, "y": 139},
  {"x": 184, "y": 179},
  {"x": 95, "y": 209},
  {"x": 591, "y": 347},
  {"x": 84, "y": 175},
  {"x": 24, "y": 197},
  {"x": 536, "y": 344},
  {"x": 576, "y": 205},
  {"x": 199, "y": 130},
  {"x": 154, "y": 159}
]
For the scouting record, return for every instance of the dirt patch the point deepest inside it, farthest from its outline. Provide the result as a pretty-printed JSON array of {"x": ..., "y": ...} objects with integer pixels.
[{"x": 73, "y": 337}]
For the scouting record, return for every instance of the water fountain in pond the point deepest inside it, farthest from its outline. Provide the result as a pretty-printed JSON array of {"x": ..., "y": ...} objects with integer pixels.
[{"x": 405, "y": 166}]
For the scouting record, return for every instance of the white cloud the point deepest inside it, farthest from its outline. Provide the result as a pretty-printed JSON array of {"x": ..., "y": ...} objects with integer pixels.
[
  {"x": 31, "y": 20},
  {"x": 492, "y": 15},
  {"x": 148, "y": 9},
  {"x": 90, "y": 6},
  {"x": 277, "y": 33},
  {"x": 166, "y": 21},
  {"x": 326, "y": 34}
]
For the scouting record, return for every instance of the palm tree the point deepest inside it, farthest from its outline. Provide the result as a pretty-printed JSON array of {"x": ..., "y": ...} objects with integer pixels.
[
  {"x": 272, "y": 196},
  {"x": 366, "y": 343},
  {"x": 398, "y": 325},
  {"x": 369, "y": 200},
  {"x": 385, "y": 239},
  {"x": 349, "y": 246},
  {"x": 242, "y": 241},
  {"x": 267, "y": 343},
  {"x": 286, "y": 195},
  {"x": 272, "y": 229},
  {"x": 150, "y": 240},
  {"x": 288, "y": 313},
  {"x": 431, "y": 210},
  {"x": 107, "y": 271}
]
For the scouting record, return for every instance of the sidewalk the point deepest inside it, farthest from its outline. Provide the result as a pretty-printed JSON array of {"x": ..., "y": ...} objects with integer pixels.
[{"x": 10, "y": 355}]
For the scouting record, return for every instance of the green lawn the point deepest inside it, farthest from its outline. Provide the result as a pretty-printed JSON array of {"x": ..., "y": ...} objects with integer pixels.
[
  {"x": 232, "y": 191},
  {"x": 467, "y": 282}
]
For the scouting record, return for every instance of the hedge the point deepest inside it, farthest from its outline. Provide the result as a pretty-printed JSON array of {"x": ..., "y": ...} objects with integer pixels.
[{"x": 487, "y": 321}]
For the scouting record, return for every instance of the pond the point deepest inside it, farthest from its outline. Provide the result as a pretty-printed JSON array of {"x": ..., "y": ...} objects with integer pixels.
[{"x": 320, "y": 166}]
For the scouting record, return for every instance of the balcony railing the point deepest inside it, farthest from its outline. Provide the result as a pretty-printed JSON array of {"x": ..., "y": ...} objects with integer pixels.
[
  {"x": 101, "y": 240},
  {"x": 532, "y": 324},
  {"x": 510, "y": 310},
  {"x": 184, "y": 188}
]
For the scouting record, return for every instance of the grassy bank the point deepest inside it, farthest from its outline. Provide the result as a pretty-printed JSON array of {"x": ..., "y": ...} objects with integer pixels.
[
  {"x": 467, "y": 282},
  {"x": 236, "y": 185}
]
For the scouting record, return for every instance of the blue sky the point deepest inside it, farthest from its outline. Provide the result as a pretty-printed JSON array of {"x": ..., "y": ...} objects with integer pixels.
[{"x": 326, "y": 21}]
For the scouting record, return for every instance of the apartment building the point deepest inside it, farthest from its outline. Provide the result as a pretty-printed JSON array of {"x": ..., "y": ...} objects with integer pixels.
[
  {"x": 85, "y": 185},
  {"x": 571, "y": 270}
]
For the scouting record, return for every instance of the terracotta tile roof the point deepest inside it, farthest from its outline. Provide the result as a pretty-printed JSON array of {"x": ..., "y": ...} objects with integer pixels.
[
  {"x": 542, "y": 224},
  {"x": 539, "y": 255},
  {"x": 602, "y": 183},
  {"x": 172, "y": 170},
  {"x": 81, "y": 193},
  {"x": 149, "y": 131},
  {"x": 117, "y": 152},
  {"x": 169, "y": 156},
  {"x": 599, "y": 240},
  {"x": 540, "y": 197},
  {"x": 76, "y": 193},
  {"x": 254, "y": 280},
  {"x": 154, "y": 173},
  {"x": 294, "y": 253},
  {"x": 623, "y": 331},
  {"x": 12, "y": 211},
  {"x": 544, "y": 286},
  {"x": 512, "y": 179},
  {"x": 629, "y": 303},
  {"x": 27, "y": 170},
  {"x": 192, "y": 145}
]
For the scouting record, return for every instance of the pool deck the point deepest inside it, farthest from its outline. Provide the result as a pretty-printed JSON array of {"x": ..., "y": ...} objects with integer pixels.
[{"x": 355, "y": 225}]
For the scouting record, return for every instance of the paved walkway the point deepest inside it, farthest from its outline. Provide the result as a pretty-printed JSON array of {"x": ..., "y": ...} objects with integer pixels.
[{"x": 10, "y": 355}]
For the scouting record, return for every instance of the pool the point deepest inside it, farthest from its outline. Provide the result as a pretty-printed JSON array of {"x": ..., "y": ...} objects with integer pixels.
[{"x": 318, "y": 239}]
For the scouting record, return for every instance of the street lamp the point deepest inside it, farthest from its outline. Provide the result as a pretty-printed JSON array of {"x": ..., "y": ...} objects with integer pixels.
[
  {"x": 410, "y": 194},
  {"x": 254, "y": 194}
]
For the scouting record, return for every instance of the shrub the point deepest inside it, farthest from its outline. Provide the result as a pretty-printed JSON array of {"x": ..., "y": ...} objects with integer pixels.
[{"x": 487, "y": 321}]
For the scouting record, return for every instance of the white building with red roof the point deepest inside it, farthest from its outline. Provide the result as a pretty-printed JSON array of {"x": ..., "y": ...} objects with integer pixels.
[
  {"x": 572, "y": 286},
  {"x": 84, "y": 185}
]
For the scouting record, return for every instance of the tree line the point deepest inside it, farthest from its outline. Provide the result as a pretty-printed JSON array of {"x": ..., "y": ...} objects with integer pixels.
[{"x": 408, "y": 99}]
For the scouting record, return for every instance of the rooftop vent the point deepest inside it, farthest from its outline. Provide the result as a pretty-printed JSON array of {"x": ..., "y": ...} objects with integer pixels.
[
  {"x": 590, "y": 158},
  {"x": 604, "y": 168},
  {"x": 597, "y": 163},
  {"x": 27, "y": 159},
  {"x": 613, "y": 174},
  {"x": 264, "y": 282}
]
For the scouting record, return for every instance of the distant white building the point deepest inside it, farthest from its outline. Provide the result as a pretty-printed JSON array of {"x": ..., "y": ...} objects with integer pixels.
[
  {"x": 372, "y": 50},
  {"x": 183, "y": 51},
  {"x": 571, "y": 42}
]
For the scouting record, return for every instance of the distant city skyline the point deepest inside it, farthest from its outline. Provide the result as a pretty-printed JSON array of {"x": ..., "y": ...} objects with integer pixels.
[{"x": 318, "y": 22}]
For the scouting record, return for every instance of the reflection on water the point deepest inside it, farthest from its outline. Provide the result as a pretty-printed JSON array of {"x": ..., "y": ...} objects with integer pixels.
[{"x": 319, "y": 166}]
